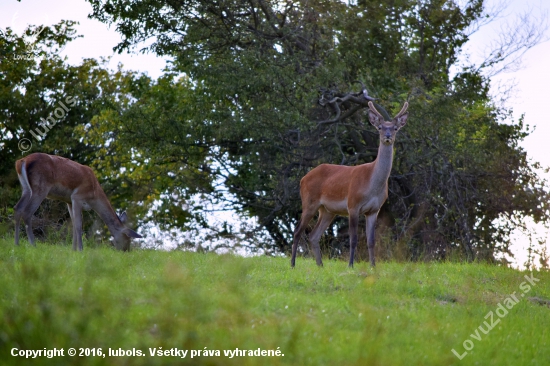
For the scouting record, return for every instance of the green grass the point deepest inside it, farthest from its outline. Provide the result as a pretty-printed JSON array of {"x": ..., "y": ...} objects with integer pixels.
[{"x": 396, "y": 314}]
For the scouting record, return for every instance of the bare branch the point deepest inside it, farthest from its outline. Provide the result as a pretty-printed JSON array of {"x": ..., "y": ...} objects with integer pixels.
[
  {"x": 360, "y": 99},
  {"x": 515, "y": 38},
  {"x": 490, "y": 14}
]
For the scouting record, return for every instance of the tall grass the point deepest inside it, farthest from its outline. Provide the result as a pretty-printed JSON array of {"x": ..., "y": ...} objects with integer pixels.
[{"x": 396, "y": 314}]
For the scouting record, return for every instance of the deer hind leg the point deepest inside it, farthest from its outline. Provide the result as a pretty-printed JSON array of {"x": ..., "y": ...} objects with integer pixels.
[
  {"x": 371, "y": 223},
  {"x": 26, "y": 210},
  {"x": 19, "y": 209},
  {"x": 300, "y": 228},
  {"x": 323, "y": 222},
  {"x": 353, "y": 229}
]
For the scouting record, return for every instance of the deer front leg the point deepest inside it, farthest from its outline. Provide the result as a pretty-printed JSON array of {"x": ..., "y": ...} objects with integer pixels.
[
  {"x": 70, "y": 207},
  {"x": 353, "y": 228},
  {"x": 371, "y": 223},
  {"x": 76, "y": 217}
]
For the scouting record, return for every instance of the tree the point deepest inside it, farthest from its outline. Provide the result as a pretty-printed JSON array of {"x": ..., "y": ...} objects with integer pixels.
[{"x": 266, "y": 94}]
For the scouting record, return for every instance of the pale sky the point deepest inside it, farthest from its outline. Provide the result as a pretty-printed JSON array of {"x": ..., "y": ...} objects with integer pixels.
[{"x": 530, "y": 95}]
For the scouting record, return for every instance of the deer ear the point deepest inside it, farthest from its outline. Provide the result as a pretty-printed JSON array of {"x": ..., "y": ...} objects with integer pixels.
[
  {"x": 131, "y": 233},
  {"x": 123, "y": 217},
  {"x": 401, "y": 120},
  {"x": 375, "y": 119}
]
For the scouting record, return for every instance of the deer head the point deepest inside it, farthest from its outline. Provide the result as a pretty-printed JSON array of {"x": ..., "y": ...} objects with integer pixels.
[
  {"x": 123, "y": 235},
  {"x": 388, "y": 129}
]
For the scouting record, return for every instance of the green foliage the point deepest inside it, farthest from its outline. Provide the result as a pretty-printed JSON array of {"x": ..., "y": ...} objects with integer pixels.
[
  {"x": 398, "y": 314},
  {"x": 169, "y": 147}
]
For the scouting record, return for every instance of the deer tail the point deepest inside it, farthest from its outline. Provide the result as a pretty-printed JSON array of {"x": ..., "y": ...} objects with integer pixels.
[{"x": 23, "y": 178}]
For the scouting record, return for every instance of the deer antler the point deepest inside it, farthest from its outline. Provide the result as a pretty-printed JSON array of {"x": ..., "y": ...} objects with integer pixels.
[
  {"x": 372, "y": 108},
  {"x": 403, "y": 110}
]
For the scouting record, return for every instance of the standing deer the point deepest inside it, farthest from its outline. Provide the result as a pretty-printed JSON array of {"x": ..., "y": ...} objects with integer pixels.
[
  {"x": 57, "y": 178},
  {"x": 349, "y": 190}
]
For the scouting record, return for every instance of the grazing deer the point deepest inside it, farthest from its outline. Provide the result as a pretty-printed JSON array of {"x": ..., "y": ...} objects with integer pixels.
[
  {"x": 57, "y": 178},
  {"x": 349, "y": 190}
]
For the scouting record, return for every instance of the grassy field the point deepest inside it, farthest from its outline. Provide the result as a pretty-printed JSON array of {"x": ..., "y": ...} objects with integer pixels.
[{"x": 102, "y": 301}]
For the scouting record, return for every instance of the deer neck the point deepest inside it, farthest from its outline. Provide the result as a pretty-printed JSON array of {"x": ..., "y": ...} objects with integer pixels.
[
  {"x": 104, "y": 209},
  {"x": 383, "y": 164}
]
